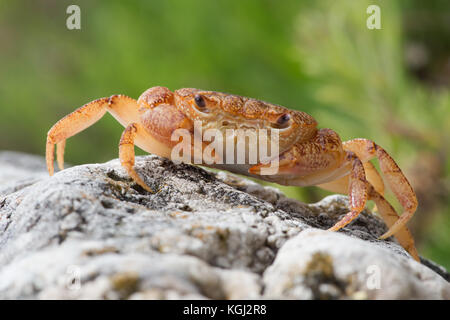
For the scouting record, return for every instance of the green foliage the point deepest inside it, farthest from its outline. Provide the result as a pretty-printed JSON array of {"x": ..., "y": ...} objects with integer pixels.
[{"x": 316, "y": 56}]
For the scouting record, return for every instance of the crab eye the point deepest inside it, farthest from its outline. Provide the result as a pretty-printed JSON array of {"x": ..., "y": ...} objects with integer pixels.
[
  {"x": 282, "y": 121},
  {"x": 200, "y": 102}
]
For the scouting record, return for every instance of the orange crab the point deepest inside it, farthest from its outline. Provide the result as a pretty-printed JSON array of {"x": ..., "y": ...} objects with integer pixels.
[{"x": 307, "y": 155}]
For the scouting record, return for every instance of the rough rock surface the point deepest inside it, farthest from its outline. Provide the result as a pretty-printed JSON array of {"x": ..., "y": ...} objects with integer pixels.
[{"x": 90, "y": 232}]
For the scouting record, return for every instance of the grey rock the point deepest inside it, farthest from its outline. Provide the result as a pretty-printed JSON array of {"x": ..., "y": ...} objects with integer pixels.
[
  {"x": 317, "y": 264},
  {"x": 18, "y": 170},
  {"x": 91, "y": 232}
]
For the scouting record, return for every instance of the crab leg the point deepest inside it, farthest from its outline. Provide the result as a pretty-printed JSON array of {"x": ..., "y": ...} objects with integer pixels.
[
  {"x": 389, "y": 215},
  {"x": 357, "y": 191},
  {"x": 373, "y": 176},
  {"x": 123, "y": 108},
  {"x": 386, "y": 211},
  {"x": 366, "y": 150},
  {"x": 70, "y": 125},
  {"x": 60, "y": 146},
  {"x": 126, "y": 153}
]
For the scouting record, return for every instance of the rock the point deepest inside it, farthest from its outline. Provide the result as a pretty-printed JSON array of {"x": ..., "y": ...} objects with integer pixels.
[
  {"x": 91, "y": 232},
  {"x": 19, "y": 170},
  {"x": 317, "y": 264}
]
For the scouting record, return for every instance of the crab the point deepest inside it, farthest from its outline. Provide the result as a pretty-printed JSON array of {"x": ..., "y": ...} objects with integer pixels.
[{"x": 306, "y": 154}]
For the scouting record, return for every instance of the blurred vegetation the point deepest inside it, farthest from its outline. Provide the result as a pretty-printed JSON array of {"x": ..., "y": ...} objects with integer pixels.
[{"x": 389, "y": 85}]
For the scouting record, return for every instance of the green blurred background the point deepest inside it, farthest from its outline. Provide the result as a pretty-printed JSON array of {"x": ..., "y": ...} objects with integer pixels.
[{"x": 389, "y": 85}]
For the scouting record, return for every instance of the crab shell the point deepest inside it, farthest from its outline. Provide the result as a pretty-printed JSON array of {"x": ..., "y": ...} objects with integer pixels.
[{"x": 227, "y": 116}]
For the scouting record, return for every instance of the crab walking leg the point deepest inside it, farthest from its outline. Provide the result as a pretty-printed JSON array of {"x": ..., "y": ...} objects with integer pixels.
[
  {"x": 366, "y": 150},
  {"x": 70, "y": 125},
  {"x": 389, "y": 215},
  {"x": 386, "y": 211},
  {"x": 126, "y": 153},
  {"x": 123, "y": 108},
  {"x": 357, "y": 191},
  {"x": 401, "y": 188},
  {"x": 373, "y": 176},
  {"x": 60, "y": 146}
]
